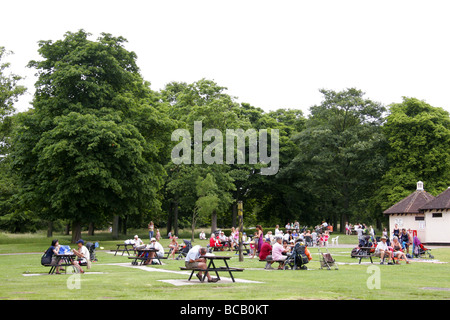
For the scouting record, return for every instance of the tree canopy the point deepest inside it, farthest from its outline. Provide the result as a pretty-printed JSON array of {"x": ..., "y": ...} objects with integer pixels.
[{"x": 97, "y": 147}]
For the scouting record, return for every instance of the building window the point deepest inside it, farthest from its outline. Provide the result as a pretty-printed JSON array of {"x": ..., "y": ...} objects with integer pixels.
[
  {"x": 437, "y": 215},
  {"x": 420, "y": 218}
]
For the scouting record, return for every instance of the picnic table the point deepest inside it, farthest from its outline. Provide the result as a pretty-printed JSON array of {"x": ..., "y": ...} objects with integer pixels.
[
  {"x": 125, "y": 249},
  {"x": 142, "y": 255},
  {"x": 63, "y": 260},
  {"x": 211, "y": 267},
  {"x": 244, "y": 245},
  {"x": 365, "y": 252}
]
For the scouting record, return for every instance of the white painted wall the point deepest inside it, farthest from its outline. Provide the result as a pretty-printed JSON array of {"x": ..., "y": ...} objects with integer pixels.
[{"x": 438, "y": 229}]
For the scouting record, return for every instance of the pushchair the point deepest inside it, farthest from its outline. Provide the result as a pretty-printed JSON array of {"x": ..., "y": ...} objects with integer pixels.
[
  {"x": 309, "y": 241},
  {"x": 419, "y": 250},
  {"x": 91, "y": 247},
  {"x": 326, "y": 260},
  {"x": 184, "y": 251},
  {"x": 298, "y": 258}
]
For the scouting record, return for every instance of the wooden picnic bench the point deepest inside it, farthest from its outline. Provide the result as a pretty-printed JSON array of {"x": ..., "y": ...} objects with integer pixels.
[
  {"x": 365, "y": 252},
  {"x": 211, "y": 267},
  {"x": 244, "y": 248},
  {"x": 142, "y": 257},
  {"x": 125, "y": 249},
  {"x": 271, "y": 260},
  {"x": 62, "y": 260}
]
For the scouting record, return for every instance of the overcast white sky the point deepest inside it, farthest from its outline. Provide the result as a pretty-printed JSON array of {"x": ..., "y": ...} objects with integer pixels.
[{"x": 271, "y": 54}]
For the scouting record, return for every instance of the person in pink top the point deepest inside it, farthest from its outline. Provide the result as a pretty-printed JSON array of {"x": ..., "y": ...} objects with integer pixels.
[{"x": 277, "y": 252}]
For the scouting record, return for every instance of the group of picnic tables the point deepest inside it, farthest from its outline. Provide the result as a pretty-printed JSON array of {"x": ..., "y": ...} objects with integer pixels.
[{"x": 141, "y": 254}]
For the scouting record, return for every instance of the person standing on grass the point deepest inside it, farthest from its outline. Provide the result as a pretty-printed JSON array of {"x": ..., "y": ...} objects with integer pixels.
[
  {"x": 195, "y": 259},
  {"x": 259, "y": 236},
  {"x": 151, "y": 229}
]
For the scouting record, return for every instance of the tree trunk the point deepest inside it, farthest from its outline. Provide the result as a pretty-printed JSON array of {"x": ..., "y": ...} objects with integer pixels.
[
  {"x": 50, "y": 229},
  {"x": 193, "y": 227},
  {"x": 115, "y": 227},
  {"x": 76, "y": 231},
  {"x": 241, "y": 229},
  {"x": 91, "y": 229},
  {"x": 124, "y": 225},
  {"x": 214, "y": 221},
  {"x": 175, "y": 219},
  {"x": 235, "y": 213},
  {"x": 169, "y": 218}
]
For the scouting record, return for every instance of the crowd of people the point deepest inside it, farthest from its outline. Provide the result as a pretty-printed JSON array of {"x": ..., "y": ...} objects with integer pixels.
[
  {"x": 394, "y": 248},
  {"x": 269, "y": 246}
]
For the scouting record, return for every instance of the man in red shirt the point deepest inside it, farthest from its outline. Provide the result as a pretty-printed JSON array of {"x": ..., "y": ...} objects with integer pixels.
[{"x": 266, "y": 251}]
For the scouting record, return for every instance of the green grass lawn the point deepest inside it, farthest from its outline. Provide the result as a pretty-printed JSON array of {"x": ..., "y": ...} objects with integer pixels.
[{"x": 22, "y": 277}]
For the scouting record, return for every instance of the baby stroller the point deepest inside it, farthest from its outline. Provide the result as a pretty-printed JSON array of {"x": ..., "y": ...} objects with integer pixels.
[
  {"x": 419, "y": 250},
  {"x": 91, "y": 247},
  {"x": 309, "y": 241},
  {"x": 184, "y": 251},
  {"x": 326, "y": 260},
  {"x": 298, "y": 258}
]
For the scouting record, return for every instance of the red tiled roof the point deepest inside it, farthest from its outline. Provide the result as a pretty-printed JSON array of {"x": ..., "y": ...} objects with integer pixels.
[
  {"x": 412, "y": 203},
  {"x": 442, "y": 201}
]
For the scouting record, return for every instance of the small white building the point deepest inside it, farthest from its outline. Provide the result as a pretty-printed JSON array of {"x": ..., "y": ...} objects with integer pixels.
[
  {"x": 437, "y": 218},
  {"x": 424, "y": 213},
  {"x": 407, "y": 214}
]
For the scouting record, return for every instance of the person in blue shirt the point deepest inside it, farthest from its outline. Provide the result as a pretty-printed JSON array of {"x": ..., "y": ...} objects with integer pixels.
[{"x": 51, "y": 252}]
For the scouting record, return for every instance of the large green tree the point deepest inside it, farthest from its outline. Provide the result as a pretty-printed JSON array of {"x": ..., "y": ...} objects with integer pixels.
[
  {"x": 339, "y": 155},
  {"x": 91, "y": 148},
  {"x": 418, "y": 137},
  {"x": 10, "y": 91}
]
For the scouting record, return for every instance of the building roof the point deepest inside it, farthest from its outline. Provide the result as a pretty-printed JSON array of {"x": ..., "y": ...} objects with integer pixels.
[
  {"x": 442, "y": 201},
  {"x": 412, "y": 203}
]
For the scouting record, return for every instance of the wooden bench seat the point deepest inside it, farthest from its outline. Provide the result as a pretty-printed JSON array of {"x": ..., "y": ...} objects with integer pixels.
[
  {"x": 279, "y": 261},
  {"x": 142, "y": 259},
  {"x": 212, "y": 269},
  {"x": 365, "y": 252}
]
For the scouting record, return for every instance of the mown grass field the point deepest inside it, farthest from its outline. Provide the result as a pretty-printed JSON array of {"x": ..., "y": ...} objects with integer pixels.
[{"x": 22, "y": 276}]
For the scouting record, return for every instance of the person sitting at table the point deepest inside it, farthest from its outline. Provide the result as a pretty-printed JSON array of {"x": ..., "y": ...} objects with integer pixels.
[
  {"x": 266, "y": 253},
  {"x": 82, "y": 254},
  {"x": 382, "y": 250},
  {"x": 398, "y": 253},
  {"x": 233, "y": 238},
  {"x": 174, "y": 247},
  {"x": 137, "y": 242},
  {"x": 154, "y": 245},
  {"x": 277, "y": 252},
  {"x": 223, "y": 239},
  {"x": 214, "y": 242},
  {"x": 51, "y": 253},
  {"x": 195, "y": 259}
]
